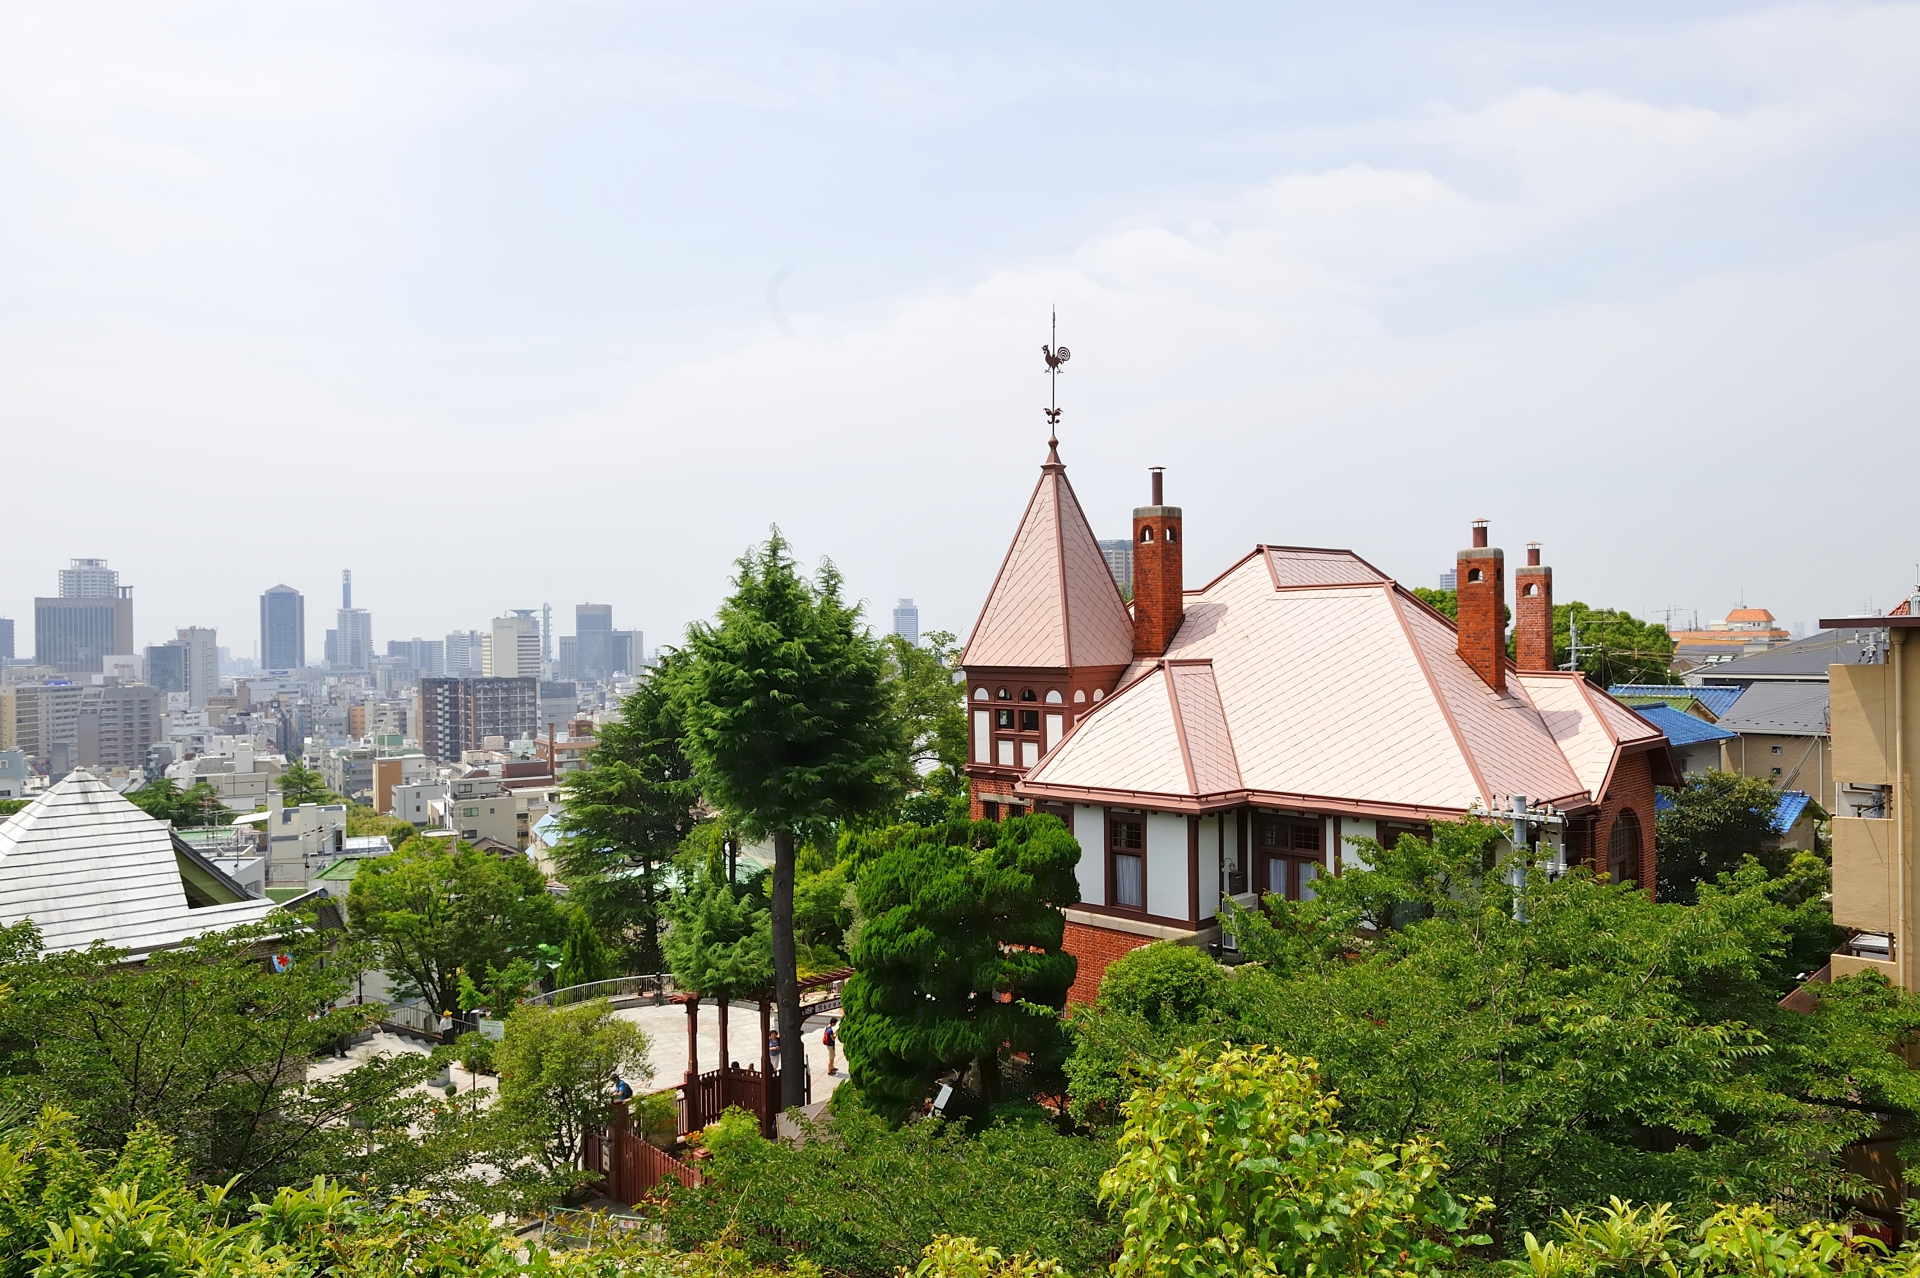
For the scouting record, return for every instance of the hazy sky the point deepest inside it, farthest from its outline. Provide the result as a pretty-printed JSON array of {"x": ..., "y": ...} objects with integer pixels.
[{"x": 499, "y": 304}]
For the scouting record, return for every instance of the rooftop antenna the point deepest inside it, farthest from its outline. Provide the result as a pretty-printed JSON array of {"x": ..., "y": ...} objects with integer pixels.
[{"x": 1056, "y": 356}]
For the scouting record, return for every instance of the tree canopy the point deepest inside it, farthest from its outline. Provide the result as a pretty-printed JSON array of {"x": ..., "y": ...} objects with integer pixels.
[
  {"x": 625, "y": 815},
  {"x": 930, "y": 707},
  {"x": 300, "y": 784},
  {"x": 163, "y": 800},
  {"x": 959, "y": 956},
  {"x": 1710, "y": 825},
  {"x": 435, "y": 908}
]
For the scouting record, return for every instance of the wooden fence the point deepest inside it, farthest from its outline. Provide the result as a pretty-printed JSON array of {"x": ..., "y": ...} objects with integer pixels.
[{"x": 629, "y": 1168}]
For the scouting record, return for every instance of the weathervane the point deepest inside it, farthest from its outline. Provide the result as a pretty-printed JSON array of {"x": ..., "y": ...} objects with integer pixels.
[{"x": 1056, "y": 356}]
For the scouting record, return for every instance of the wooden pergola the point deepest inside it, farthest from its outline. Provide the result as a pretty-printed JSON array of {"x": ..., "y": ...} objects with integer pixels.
[{"x": 706, "y": 1095}]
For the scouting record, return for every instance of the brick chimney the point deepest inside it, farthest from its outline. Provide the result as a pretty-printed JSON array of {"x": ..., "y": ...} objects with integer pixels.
[
  {"x": 1483, "y": 592},
  {"x": 1533, "y": 613},
  {"x": 1157, "y": 580}
]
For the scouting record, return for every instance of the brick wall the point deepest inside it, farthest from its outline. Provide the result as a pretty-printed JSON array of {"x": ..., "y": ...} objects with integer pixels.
[
  {"x": 1632, "y": 788},
  {"x": 985, "y": 791},
  {"x": 1158, "y": 578},
  {"x": 1481, "y": 619},
  {"x": 1533, "y": 618},
  {"x": 1095, "y": 947}
]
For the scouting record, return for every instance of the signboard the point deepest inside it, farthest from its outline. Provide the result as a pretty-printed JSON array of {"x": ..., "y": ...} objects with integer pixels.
[
  {"x": 280, "y": 964},
  {"x": 495, "y": 1030}
]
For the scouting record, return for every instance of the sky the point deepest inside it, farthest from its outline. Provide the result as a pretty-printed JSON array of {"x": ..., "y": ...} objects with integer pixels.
[{"x": 508, "y": 304}]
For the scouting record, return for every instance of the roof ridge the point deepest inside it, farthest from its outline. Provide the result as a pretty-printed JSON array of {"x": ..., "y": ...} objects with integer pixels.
[{"x": 1180, "y": 728}]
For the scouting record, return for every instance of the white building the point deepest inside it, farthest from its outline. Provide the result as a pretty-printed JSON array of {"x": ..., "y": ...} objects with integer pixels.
[
  {"x": 203, "y": 663},
  {"x": 511, "y": 648}
]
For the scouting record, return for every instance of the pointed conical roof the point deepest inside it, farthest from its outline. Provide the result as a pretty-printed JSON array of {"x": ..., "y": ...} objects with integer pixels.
[
  {"x": 1054, "y": 603},
  {"x": 86, "y": 865}
]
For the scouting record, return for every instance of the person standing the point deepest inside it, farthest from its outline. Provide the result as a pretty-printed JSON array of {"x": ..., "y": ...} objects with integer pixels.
[{"x": 830, "y": 1041}]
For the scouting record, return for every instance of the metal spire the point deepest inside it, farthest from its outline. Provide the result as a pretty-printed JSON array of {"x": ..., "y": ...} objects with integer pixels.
[{"x": 1056, "y": 356}]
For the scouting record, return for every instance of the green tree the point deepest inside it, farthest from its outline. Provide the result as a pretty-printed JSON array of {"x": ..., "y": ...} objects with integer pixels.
[
  {"x": 1601, "y": 1044},
  {"x": 583, "y": 957},
  {"x": 1615, "y": 646},
  {"x": 1710, "y": 826},
  {"x": 364, "y": 822},
  {"x": 10, "y": 806},
  {"x": 722, "y": 939},
  {"x": 959, "y": 957},
  {"x": 930, "y": 706},
  {"x": 791, "y": 726},
  {"x": 558, "y": 1068},
  {"x": 208, "y": 1045},
  {"x": 625, "y": 815},
  {"x": 433, "y": 911},
  {"x": 300, "y": 784},
  {"x": 198, "y": 805},
  {"x": 1444, "y": 602},
  {"x": 1232, "y": 1164}
]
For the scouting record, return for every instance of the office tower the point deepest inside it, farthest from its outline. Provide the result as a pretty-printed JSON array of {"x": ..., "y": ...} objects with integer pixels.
[
  {"x": 511, "y": 647},
  {"x": 592, "y": 631},
  {"x": 6, "y": 640},
  {"x": 569, "y": 664},
  {"x": 89, "y": 579},
  {"x": 92, "y": 618},
  {"x": 283, "y": 629},
  {"x": 626, "y": 652},
  {"x": 1119, "y": 557},
  {"x": 559, "y": 703},
  {"x": 353, "y": 635},
  {"x": 463, "y": 653},
  {"x": 203, "y": 664},
  {"x": 546, "y": 632},
  {"x": 167, "y": 666},
  {"x": 44, "y": 716},
  {"x": 115, "y": 726},
  {"x": 906, "y": 622},
  {"x": 459, "y": 714},
  {"x": 427, "y": 656}
]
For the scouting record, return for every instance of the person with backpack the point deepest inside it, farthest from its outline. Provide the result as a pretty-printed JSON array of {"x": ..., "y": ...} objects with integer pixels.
[{"x": 830, "y": 1041}]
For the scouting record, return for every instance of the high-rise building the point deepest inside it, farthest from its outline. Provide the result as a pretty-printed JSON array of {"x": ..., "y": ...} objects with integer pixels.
[
  {"x": 283, "y": 629},
  {"x": 353, "y": 635},
  {"x": 906, "y": 622},
  {"x": 1119, "y": 556},
  {"x": 511, "y": 647},
  {"x": 546, "y": 632},
  {"x": 167, "y": 666},
  {"x": 463, "y": 653},
  {"x": 593, "y": 632},
  {"x": 569, "y": 664},
  {"x": 559, "y": 704},
  {"x": 89, "y": 579},
  {"x": 459, "y": 714},
  {"x": 44, "y": 716},
  {"x": 203, "y": 664},
  {"x": 427, "y": 656},
  {"x": 626, "y": 652},
  {"x": 92, "y": 618},
  {"x": 6, "y": 639},
  {"x": 115, "y": 725}
]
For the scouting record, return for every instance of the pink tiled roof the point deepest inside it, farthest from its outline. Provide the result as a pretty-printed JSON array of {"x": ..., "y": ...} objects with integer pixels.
[
  {"x": 1332, "y": 683},
  {"x": 1054, "y": 603}
]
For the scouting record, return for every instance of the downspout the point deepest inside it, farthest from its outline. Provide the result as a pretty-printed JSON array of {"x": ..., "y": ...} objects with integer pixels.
[{"x": 1901, "y": 793}]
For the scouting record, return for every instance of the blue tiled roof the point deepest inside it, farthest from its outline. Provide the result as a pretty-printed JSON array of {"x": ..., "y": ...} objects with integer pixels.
[
  {"x": 1717, "y": 700},
  {"x": 1792, "y": 804},
  {"x": 1680, "y": 727}
]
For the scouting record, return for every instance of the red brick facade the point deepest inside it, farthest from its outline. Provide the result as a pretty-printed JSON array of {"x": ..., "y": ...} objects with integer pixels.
[
  {"x": 1482, "y": 590},
  {"x": 1159, "y": 582},
  {"x": 1632, "y": 788},
  {"x": 1533, "y": 615},
  {"x": 1095, "y": 947},
  {"x": 985, "y": 791}
]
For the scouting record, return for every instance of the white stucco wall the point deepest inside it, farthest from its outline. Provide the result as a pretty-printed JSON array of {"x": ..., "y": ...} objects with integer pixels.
[
  {"x": 1167, "y": 864},
  {"x": 1089, "y": 827},
  {"x": 1210, "y": 854}
]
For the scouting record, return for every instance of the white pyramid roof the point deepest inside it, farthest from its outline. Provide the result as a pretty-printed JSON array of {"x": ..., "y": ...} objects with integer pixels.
[{"x": 86, "y": 865}]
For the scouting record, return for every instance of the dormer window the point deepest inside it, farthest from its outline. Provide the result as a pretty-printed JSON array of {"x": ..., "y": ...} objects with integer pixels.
[{"x": 1097, "y": 694}]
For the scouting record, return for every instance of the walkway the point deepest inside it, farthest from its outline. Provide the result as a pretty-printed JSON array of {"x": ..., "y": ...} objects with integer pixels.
[{"x": 666, "y": 1029}]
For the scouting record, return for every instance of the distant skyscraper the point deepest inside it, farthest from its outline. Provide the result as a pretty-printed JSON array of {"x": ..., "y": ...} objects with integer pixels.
[
  {"x": 546, "y": 632},
  {"x": 353, "y": 640},
  {"x": 512, "y": 648},
  {"x": 6, "y": 639},
  {"x": 463, "y": 653},
  {"x": 1450, "y": 579},
  {"x": 459, "y": 714},
  {"x": 92, "y": 618},
  {"x": 283, "y": 629},
  {"x": 906, "y": 622},
  {"x": 569, "y": 663},
  {"x": 428, "y": 656},
  {"x": 593, "y": 630},
  {"x": 203, "y": 664},
  {"x": 1119, "y": 557},
  {"x": 627, "y": 652},
  {"x": 167, "y": 666}
]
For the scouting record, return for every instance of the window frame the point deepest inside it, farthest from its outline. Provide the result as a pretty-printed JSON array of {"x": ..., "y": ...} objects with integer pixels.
[{"x": 1114, "y": 817}]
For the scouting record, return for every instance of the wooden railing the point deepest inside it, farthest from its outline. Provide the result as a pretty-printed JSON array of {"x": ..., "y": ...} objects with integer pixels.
[
  {"x": 629, "y": 1168},
  {"x": 713, "y": 1092}
]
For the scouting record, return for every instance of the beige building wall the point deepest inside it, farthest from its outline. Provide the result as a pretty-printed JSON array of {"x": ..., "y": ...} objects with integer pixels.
[
  {"x": 1875, "y": 740},
  {"x": 1784, "y": 762}
]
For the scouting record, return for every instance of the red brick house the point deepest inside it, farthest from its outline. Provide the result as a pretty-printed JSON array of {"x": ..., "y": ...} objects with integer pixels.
[{"x": 1239, "y": 738}]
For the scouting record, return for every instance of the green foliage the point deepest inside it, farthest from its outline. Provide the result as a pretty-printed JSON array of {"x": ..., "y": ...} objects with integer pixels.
[
  {"x": 950, "y": 1257},
  {"x": 164, "y": 801},
  {"x": 959, "y": 957},
  {"x": 1745, "y": 1240},
  {"x": 207, "y": 1045},
  {"x": 364, "y": 823},
  {"x": 861, "y": 1199},
  {"x": 1232, "y": 1164},
  {"x": 583, "y": 957},
  {"x": 1606, "y": 1045},
  {"x": 10, "y": 806},
  {"x": 1715, "y": 822},
  {"x": 790, "y": 720},
  {"x": 432, "y": 911},
  {"x": 626, "y": 815},
  {"x": 823, "y": 907},
  {"x": 930, "y": 706},
  {"x": 721, "y": 943},
  {"x": 1615, "y": 646},
  {"x": 300, "y": 784},
  {"x": 1444, "y": 602},
  {"x": 557, "y": 1072},
  {"x": 498, "y": 989},
  {"x": 476, "y": 1053},
  {"x": 1164, "y": 981}
]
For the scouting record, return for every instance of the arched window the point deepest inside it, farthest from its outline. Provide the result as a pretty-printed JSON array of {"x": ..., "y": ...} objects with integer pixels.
[
  {"x": 1026, "y": 694},
  {"x": 1474, "y": 574},
  {"x": 1173, "y": 534},
  {"x": 979, "y": 694},
  {"x": 1079, "y": 696},
  {"x": 1097, "y": 694},
  {"x": 1532, "y": 589},
  {"x": 1146, "y": 534},
  {"x": 1053, "y": 697},
  {"x": 1004, "y": 695},
  {"x": 1623, "y": 847}
]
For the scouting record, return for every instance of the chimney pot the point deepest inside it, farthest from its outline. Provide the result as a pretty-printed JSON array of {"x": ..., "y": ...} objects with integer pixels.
[
  {"x": 1157, "y": 472},
  {"x": 1533, "y": 554},
  {"x": 1479, "y": 533}
]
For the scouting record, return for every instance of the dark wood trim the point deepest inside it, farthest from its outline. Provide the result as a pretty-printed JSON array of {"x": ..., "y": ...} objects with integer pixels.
[
  {"x": 1115, "y": 912},
  {"x": 1109, "y": 851}
]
